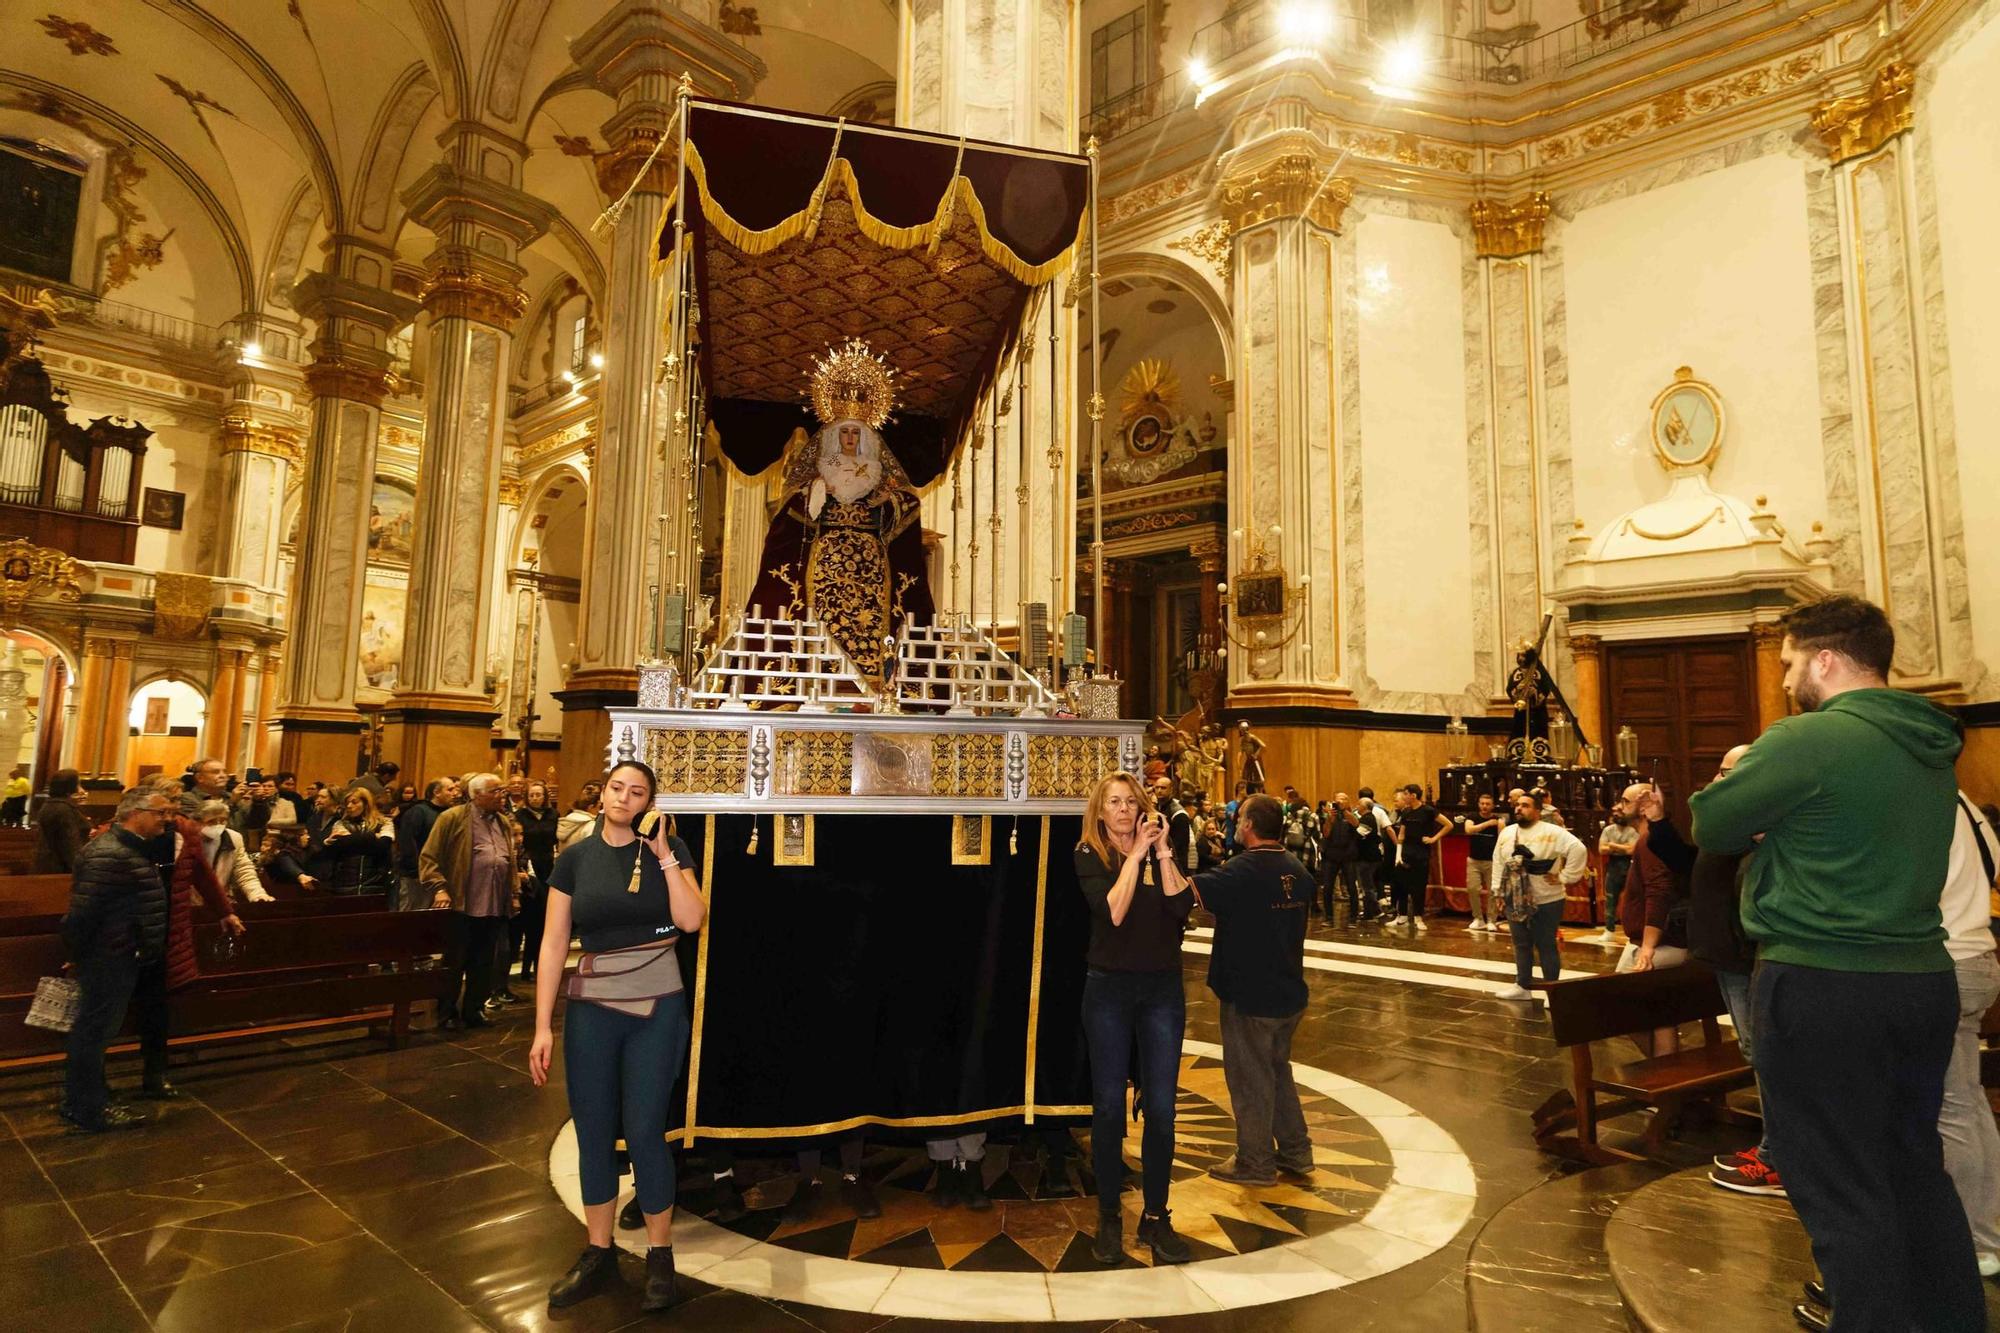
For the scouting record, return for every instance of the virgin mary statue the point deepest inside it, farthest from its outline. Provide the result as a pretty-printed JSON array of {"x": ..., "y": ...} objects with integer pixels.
[{"x": 845, "y": 547}]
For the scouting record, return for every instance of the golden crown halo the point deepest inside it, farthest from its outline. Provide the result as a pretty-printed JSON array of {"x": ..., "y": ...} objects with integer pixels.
[{"x": 851, "y": 381}]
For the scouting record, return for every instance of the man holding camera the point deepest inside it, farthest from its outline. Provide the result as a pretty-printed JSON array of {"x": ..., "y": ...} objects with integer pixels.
[
  {"x": 1257, "y": 970},
  {"x": 1537, "y": 862}
]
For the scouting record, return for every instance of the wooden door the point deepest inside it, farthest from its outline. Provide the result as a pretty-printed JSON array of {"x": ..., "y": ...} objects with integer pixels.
[{"x": 1689, "y": 700}]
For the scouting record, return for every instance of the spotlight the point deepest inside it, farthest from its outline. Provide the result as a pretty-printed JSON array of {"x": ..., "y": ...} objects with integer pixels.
[
  {"x": 1304, "y": 23},
  {"x": 569, "y": 378},
  {"x": 1403, "y": 62},
  {"x": 251, "y": 351},
  {"x": 1198, "y": 72},
  {"x": 597, "y": 360}
]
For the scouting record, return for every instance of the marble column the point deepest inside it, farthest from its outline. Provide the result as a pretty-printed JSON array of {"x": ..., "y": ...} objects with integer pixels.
[
  {"x": 1903, "y": 427},
  {"x": 1213, "y": 564},
  {"x": 116, "y": 732},
  {"x": 1587, "y": 659},
  {"x": 1001, "y": 70},
  {"x": 258, "y": 456},
  {"x": 635, "y": 54},
  {"x": 1285, "y": 211},
  {"x": 91, "y": 725},
  {"x": 224, "y": 728},
  {"x": 319, "y": 729},
  {"x": 270, "y": 680},
  {"x": 1766, "y": 639},
  {"x": 1508, "y": 240},
  {"x": 441, "y": 719}
]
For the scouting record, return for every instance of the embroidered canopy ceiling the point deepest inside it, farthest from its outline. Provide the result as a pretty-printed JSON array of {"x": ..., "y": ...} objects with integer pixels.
[{"x": 806, "y": 232}]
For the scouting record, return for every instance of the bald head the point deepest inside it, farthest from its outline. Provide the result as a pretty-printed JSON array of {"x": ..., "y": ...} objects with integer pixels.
[{"x": 1730, "y": 759}]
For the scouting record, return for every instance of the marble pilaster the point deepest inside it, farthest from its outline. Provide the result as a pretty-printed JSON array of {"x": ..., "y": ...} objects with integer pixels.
[
  {"x": 356, "y": 313},
  {"x": 258, "y": 456}
]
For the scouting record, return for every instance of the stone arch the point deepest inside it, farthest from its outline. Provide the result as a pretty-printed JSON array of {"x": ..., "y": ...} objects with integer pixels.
[{"x": 1164, "y": 268}]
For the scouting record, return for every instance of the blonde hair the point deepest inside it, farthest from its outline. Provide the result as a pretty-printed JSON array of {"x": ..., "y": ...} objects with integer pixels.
[
  {"x": 1095, "y": 836},
  {"x": 370, "y": 820}
]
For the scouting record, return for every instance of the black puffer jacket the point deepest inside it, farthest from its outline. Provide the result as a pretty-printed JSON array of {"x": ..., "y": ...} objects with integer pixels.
[{"x": 117, "y": 901}]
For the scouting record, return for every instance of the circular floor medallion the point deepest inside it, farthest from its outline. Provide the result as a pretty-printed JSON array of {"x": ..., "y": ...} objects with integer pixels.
[{"x": 1389, "y": 1188}]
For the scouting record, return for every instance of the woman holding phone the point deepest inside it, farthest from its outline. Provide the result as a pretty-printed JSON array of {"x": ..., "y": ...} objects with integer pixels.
[
  {"x": 625, "y": 1031},
  {"x": 1139, "y": 903}
]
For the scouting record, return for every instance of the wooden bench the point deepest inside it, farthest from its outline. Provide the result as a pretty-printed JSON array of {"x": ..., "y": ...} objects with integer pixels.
[
  {"x": 296, "y": 970},
  {"x": 1599, "y": 1008},
  {"x": 34, "y": 895}
]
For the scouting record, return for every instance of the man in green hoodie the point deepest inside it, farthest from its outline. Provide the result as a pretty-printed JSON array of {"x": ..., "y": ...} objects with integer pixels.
[{"x": 1850, "y": 807}]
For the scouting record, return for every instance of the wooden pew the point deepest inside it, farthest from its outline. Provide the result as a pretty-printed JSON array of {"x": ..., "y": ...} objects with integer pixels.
[
  {"x": 291, "y": 972},
  {"x": 1601, "y": 1008},
  {"x": 34, "y": 895}
]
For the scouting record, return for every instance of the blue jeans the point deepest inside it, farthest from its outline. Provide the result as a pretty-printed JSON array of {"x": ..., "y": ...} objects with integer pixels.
[
  {"x": 106, "y": 988},
  {"x": 1536, "y": 938},
  {"x": 1616, "y": 868},
  {"x": 620, "y": 1072},
  {"x": 1735, "y": 987},
  {"x": 1119, "y": 1010}
]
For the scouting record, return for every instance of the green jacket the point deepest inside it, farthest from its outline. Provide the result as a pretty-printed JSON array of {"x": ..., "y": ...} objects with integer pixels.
[{"x": 1856, "y": 803}]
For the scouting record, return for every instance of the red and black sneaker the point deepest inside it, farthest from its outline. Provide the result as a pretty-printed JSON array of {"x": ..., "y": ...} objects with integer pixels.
[
  {"x": 1749, "y": 1177},
  {"x": 1729, "y": 1161}
]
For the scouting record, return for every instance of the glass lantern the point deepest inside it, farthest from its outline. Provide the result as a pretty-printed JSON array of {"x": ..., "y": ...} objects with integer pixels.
[
  {"x": 1562, "y": 738},
  {"x": 1456, "y": 736},
  {"x": 1628, "y": 748}
]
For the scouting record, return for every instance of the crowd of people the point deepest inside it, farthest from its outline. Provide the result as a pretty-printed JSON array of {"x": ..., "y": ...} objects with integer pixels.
[{"x": 1852, "y": 939}]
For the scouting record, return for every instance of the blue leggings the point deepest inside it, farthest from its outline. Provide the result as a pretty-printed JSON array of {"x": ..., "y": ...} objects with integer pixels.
[
  {"x": 621, "y": 1071},
  {"x": 1121, "y": 1009}
]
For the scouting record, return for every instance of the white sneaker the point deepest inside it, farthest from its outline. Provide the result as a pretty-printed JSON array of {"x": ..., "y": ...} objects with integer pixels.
[
  {"x": 1989, "y": 1264},
  {"x": 1399, "y": 921},
  {"x": 1515, "y": 993},
  {"x": 1421, "y": 927}
]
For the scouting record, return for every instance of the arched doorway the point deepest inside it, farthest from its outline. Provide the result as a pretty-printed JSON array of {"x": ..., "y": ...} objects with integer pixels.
[
  {"x": 37, "y": 700},
  {"x": 1165, "y": 374},
  {"x": 165, "y": 716}
]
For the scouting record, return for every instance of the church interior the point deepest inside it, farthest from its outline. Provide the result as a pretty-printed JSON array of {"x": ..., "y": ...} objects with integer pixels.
[{"x": 888, "y": 420}]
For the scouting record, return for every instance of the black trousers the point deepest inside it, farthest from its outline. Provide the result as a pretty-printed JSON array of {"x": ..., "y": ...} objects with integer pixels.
[
  {"x": 150, "y": 1017},
  {"x": 524, "y": 932},
  {"x": 1337, "y": 876},
  {"x": 472, "y": 954},
  {"x": 106, "y": 985},
  {"x": 1853, "y": 1064},
  {"x": 1365, "y": 876}
]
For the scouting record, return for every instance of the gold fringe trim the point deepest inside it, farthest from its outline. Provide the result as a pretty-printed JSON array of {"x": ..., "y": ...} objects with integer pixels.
[
  {"x": 1035, "y": 977},
  {"x": 959, "y": 193},
  {"x": 687, "y": 1136}
]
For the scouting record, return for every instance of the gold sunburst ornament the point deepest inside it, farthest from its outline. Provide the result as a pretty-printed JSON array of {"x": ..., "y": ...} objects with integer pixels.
[
  {"x": 852, "y": 383},
  {"x": 1151, "y": 388}
]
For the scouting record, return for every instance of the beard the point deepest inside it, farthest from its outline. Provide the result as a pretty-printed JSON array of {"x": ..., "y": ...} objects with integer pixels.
[{"x": 1808, "y": 695}]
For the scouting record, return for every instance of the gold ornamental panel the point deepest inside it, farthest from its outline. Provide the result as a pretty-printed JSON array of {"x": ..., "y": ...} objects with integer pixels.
[
  {"x": 813, "y": 763},
  {"x": 692, "y": 762},
  {"x": 1067, "y": 767},
  {"x": 971, "y": 764}
]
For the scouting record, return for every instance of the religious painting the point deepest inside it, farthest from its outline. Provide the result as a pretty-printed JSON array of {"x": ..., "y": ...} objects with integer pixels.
[
  {"x": 1687, "y": 422},
  {"x": 39, "y": 197},
  {"x": 1260, "y": 595},
  {"x": 381, "y": 634},
  {"x": 163, "y": 509},
  {"x": 156, "y": 715},
  {"x": 1145, "y": 435},
  {"x": 392, "y": 523}
]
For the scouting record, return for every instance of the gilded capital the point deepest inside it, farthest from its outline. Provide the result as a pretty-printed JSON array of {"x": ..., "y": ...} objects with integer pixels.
[
  {"x": 1507, "y": 231},
  {"x": 1586, "y": 646},
  {"x": 512, "y": 491},
  {"x": 1857, "y": 125},
  {"x": 333, "y": 376},
  {"x": 1288, "y": 186},
  {"x": 243, "y": 433},
  {"x": 465, "y": 293},
  {"x": 1767, "y": 634},
  {"x": 617, "y": 168}
]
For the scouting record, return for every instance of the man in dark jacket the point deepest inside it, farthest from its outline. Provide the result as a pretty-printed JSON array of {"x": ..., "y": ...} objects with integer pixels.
[
  {"x": 117, "y": 920},
  {"x": 413, "y": 829},
  {"x": 1257, "y": 969},
  {"x": 1855, "y": 998},
  {"x": 60, "y": 828}
]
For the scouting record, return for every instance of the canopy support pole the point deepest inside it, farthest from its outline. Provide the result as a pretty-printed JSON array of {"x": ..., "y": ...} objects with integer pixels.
[{"x": 1096, "y": 435}]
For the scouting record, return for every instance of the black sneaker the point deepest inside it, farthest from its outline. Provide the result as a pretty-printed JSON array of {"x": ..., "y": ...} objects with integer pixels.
[
  {"x": 1233, "y": 1172},
  {"x": 660, "y": 1293},
  {"x": 972, "y": 1186},
  {"x": 594, "y": 1270},
  {"x": 1815, "y": 1317},
  {"x": 1816, "y": 1293},
  {"x": 1055, "y": 1182},
  {"x": 860, "y": 1199},
  {"x": 728, "y": 1200},
  {"x": 631, "y": 1217},
  {"x": 1167, "y": 1245},
  {"x": 104, "y": 1122},
  {"x": 1108, "y": 1246},
  {"x": 805, "y": 1204},
  {"x": 157, "y": 1090}
]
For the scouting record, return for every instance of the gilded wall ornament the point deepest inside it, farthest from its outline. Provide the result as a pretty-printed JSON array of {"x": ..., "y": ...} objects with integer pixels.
[
  {"x": 1505, "y": 231},
  {"x": 1210, "y": 243},
  {"x": 333, "y": 377},
  {"x": 38, "y": 573},
  {"x": 78, "y": 36},
  {"x": 181, "y": 604},
  {"x": 1289, "y": 186},
  {"x": 245, "y": 434},
  {"x": 1854, "y": 126},
  {"x": 738, "y": 20}
]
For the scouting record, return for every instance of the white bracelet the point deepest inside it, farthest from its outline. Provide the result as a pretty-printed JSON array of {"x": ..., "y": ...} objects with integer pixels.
[{"x": 670, "y": 865}]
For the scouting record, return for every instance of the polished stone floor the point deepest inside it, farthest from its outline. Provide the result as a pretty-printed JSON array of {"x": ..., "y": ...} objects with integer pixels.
[{"x": 330, "y": 1184}]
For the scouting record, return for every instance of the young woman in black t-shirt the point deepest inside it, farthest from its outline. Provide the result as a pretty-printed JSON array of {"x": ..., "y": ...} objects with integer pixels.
[
  {"x": 625, "y": 1031},
  {"x": 1139, "y": 903}
]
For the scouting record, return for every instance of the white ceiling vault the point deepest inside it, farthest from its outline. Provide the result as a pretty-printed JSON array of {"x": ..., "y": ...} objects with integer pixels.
[{"x": 228, "y": 138}]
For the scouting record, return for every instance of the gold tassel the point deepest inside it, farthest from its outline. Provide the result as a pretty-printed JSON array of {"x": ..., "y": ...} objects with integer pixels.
[
  {"x": 1014, "y": 838},
  {"x": 817, "y": 205},
  {"x": 751, "y": 850},
  {"x": 950, "y": 205}
]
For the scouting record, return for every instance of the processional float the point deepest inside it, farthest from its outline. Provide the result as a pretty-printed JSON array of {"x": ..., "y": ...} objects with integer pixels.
[{"x": 882, "y": 802}]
